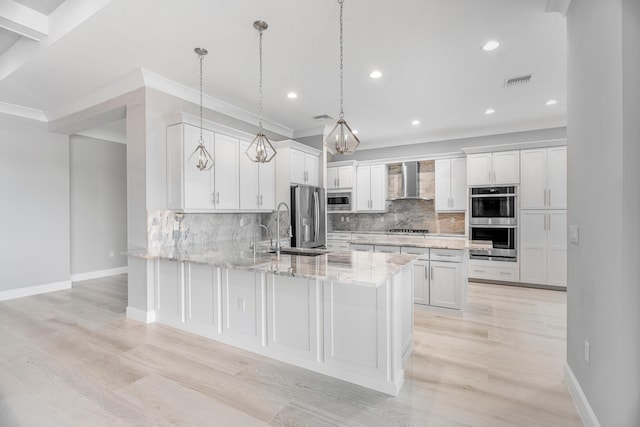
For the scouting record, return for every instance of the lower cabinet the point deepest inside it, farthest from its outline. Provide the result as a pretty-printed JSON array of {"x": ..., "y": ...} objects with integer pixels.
[
  {"x": 202, "y": 312},
  {"x": 445, "y": 288},
  {"x": 421, "y": 282},
  {"x": 169, "y": 292},
  {"x": 242, "y": 307},
  {"x": 543, "y": 247}
]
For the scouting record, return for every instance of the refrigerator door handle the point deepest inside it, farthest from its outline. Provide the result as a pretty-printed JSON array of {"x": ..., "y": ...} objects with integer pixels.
[{"x": 316, "y": 216}]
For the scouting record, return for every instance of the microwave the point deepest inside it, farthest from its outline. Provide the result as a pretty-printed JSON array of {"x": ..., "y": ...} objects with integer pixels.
[
  {"x": 492, "y": 205},
  {"x": 339, "y": 201}
]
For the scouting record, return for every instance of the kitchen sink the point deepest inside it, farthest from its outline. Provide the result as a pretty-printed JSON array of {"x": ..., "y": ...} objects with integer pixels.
[{"x": 301, "y": 251}]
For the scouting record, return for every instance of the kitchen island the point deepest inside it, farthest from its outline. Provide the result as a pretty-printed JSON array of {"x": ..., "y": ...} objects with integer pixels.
[{"x": 345, "y": 314}]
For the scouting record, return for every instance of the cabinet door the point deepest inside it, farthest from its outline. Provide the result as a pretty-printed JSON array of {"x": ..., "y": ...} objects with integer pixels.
[
  {"x": 312, "y": 167},
  {"x": 296, "y": 167},
  {"x": 445, "y": 288},
  {"x": 202, "y": 308},
  {"x": 267, "y": 185},
  {"x": 557, "y": 247},
  {"x": 479, "y": 169},
  {"x": 557, "y": 178},
  {"x": 242, "y": 292},
  {"x": 363, "y": 188},
  {"x": 421, "y": 282},
  {"x": 378, "y": 187},
  {"x": 506, "y": 167},
  {"x": 443, "y": 185},
  {"x": 533, "y": 184},
  {"x": 345, "y": 176},
  {"x": 332, "y": 177},
  {"x": 170, "y": 298},
  {"x": 533, "y": 246},
  {"x": 459, "y": 184},
  {"x": 226, "y": 172},
  {"x": 198, "y": 185},
  {"x": 249, "y": 196}
]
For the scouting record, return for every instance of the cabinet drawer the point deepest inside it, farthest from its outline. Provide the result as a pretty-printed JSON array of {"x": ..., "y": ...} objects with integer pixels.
[
  {"x": 339, "y": 236},
  {"x": 494, "y": 270},
  {"x": 423, "y": 252},
  {"x": 361, "y": 248},
  {"x": 337, "y": 245},
  {"x": 387, "y": 249},
  {"x": 448, "y": 255}
]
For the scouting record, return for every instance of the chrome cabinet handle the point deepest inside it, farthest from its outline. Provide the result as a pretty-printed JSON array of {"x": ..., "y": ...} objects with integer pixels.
[
  {"x": 258, "y": 200},
  {"x": 426, "y": 273},
  {"x": 261, "y": 200},
  {"x": 549, "y": 215},
  {"x": 432, "y": 273},
  {"x": 217, "y": 197},
  {"x": 549, "y": 196}
]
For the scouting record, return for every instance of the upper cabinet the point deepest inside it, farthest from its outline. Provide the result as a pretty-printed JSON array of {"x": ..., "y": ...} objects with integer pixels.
[
  {"x": 190, "y": 189},
  {"x": 451, "y": 185},
  {"x": 371, "y": 188},
  {"x": 257, "y": 183},
  {"x": 295, "y": 163},
  {"x": 498, "y": 168},
  {"x": 339, "y": 177},
  {"x": 304, "y": 168},
  {"x": 543, "y": 182}
]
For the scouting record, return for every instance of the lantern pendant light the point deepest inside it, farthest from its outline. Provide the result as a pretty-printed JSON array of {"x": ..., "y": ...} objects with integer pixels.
[
  {"x": 200, "y": 157},
  {"x": 260, "y": 150},
  {"x": 341, "y": 139}
]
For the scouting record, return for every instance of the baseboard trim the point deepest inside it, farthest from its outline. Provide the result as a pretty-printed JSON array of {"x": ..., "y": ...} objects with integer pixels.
[
  {"x": 140, "y": 315},
  {"x": 34, "y": 290},
  {"x": 584, "y": 409},
  {"x": 98, "y": 274}
]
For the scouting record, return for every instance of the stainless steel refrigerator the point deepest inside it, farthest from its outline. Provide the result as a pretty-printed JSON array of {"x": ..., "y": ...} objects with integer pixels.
[{"x": 308, "y": 216}]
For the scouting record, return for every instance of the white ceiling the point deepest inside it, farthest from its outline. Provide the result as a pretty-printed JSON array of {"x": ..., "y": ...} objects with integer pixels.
[{"x": 428, "y": 51}]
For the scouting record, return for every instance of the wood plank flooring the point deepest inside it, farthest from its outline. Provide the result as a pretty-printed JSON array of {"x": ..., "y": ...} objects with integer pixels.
[{"x": 71, "y": 358}]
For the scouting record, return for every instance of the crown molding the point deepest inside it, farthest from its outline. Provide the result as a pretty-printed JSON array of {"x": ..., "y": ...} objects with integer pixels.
[{"x": 20, "y": 111}]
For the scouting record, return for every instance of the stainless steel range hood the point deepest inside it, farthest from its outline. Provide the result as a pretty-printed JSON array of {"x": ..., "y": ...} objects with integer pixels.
[{"x": 410, "y": 182}]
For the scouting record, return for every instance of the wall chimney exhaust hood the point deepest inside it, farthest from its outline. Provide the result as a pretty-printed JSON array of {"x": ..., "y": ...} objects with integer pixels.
[{"x": 410, "y": 182}]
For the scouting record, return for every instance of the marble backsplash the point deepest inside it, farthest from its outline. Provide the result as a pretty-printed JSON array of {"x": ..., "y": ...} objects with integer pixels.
[
  {"x": 176, "y": 229},
  {"x": 410, "y": 213}
]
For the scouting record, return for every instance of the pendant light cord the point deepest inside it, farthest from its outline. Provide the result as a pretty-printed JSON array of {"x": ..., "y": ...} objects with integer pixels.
[
  {"x": 260, "y": 105},
  {"x": 201, "y": 59},
  {"x": 341, "y": 3}
]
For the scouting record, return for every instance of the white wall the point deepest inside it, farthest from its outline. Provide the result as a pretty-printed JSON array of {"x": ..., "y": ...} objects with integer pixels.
[
  {"x": 98, "y": 185},
  {"x": 34, "y": 218},
  {"x": 604, "y": 201}
]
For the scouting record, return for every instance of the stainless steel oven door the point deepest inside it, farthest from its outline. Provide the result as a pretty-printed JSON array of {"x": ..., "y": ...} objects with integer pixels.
[
  {"x": 503, "y": 239},
  {"x": 339, "y": 201},
  {"x": 493, "y": 206}
]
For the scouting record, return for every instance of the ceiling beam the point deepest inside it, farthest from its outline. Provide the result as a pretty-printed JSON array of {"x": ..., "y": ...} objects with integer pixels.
[{"x": 22, "y": 20}]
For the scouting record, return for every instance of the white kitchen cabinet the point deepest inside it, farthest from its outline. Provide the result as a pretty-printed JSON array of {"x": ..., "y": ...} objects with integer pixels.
[
  {"x": 170, "y": 292},
  {"x": 386, "y": 249},
  {"x": 338, "y": 241},
  {"x": 421, "y": 282},
  {"x": 371, "y": 188},
  {"x": 498, "y": 168},
  {"x": 451, "y": 185},
  {"x": 339, "y": 177},
  {"x": 361, "y": 247},
  {"x": 257, "y": 183},
  {"x": 502, "y": 271},
  {"x": 304, "y": 168},
  {"x": 202, "y": 308},
  {"x": 242, "y": 295},
  {"x": 543, "y": 247},
  {"x": 445, "y": 286},
  {"x": 190, "y": 189},
  {"x": 543, "y": 183}
]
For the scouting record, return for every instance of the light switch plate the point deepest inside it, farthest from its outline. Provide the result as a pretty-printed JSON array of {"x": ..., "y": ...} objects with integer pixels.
[{"x": 574, "y": 234}]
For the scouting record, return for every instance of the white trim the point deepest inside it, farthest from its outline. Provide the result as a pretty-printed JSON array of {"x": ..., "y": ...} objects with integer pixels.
[
  {"x": 316, "y": 131},
  {"x": 560, "y": 6},
  {"x": 140, "y": 315},
  {"x": 516, "y": 146},
  {"x": 98, "y": 274},
  {"x": 20, "y": 111},
  {"x": 190, "y": 119},
  {"x": 417, "y": 158},
  {"x": 584, "y": 409},
  {"x": 23, "y": 20},
  {"x": 34, "y": 290},
  {"x": 104, "y": 135},
  {"x": 298, "y": 146}
]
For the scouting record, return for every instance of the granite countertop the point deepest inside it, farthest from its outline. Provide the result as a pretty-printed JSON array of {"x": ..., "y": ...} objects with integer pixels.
[
  {"x": 422, "y": 242},
  {"x": 364, "y": 268}
]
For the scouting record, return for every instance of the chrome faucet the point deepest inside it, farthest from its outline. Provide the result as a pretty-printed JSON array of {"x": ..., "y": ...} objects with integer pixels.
[
  {"x": 255, "y": 241},
  {"x": 278, "y": 245}
]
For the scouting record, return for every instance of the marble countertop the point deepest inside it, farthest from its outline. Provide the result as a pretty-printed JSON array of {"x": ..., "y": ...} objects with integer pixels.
[
  {"x": 364, "y": 268},
  {"x": 422, "y": 242}
]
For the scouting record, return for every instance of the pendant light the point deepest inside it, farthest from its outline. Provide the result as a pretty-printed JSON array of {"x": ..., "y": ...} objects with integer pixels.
[
  {"x": 341, "y": 140},
  {"x": 200, "y": 156},
  {"x": 260, "y": 150}
]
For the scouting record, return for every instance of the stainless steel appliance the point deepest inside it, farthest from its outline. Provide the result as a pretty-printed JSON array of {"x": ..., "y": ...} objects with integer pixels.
[
  {"x": 409, "y": 181},
  {"x": 339, "y": 201},
  {"x": 493, "y": 205},
  {"x": 408, "y": 231},
  {"x": 503, "y": 238},
  {"x": 308, "y": 219}
]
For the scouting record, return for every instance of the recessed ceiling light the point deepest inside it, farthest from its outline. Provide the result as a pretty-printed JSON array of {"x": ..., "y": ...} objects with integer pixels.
[
  {"x": 490, "y": 45},
  {"x": 551, "y": 102},
  {"x": 489, "y": 111},
  {"x": 375, "y": 74},
  {"x": 354, "y": 131},
  {"x": 292, "y": 95},
  {"x": 415, "y": 122}
]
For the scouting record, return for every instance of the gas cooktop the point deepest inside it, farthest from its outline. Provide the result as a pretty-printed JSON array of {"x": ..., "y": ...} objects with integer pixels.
[{"x": 408, "y": 230}]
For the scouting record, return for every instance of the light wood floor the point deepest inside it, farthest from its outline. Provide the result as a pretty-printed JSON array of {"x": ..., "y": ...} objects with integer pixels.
[{"x": 71, "y": 358}]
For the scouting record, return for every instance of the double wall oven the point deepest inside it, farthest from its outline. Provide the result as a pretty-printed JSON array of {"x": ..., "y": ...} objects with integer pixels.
[{"x": 493, "y": 217}]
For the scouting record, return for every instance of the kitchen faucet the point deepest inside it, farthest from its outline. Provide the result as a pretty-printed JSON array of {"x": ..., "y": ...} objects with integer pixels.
[
  {"x": 255, "y": 242},
  {"x": 278, "y": 245}
]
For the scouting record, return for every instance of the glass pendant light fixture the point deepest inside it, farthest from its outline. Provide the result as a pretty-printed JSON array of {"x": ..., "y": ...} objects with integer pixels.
[
  {"x": 200, "y": 156},
  {"x": 341, "y": 140},
  {"x": 260, "y": 150}
]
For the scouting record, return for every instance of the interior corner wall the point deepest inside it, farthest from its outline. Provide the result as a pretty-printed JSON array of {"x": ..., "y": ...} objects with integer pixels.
[
  {"x": 98, "y": 185},
  {"x": 604, "y": 201},
  {"x": 34, "y": 219}
]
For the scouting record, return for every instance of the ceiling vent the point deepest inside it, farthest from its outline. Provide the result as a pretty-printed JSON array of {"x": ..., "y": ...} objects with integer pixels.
[
  {"x": 323, "y": 117},
  {"x": 517, "y": 81}
]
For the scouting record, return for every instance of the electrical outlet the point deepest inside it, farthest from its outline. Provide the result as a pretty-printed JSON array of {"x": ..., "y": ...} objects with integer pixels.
[
  {"x": 341, "y": 219},
  {"x": 347, "y": 219},
  {"x": 243, "y": 222},
  {"x": 176, "y": 225},
  {"x": 574, "y": 234},
  {"x": 587, "y": 351},
  {"x": 452, "y": 220},
  {"x": 381, "y": 219},
  {"x": 111, "y": 254}
]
